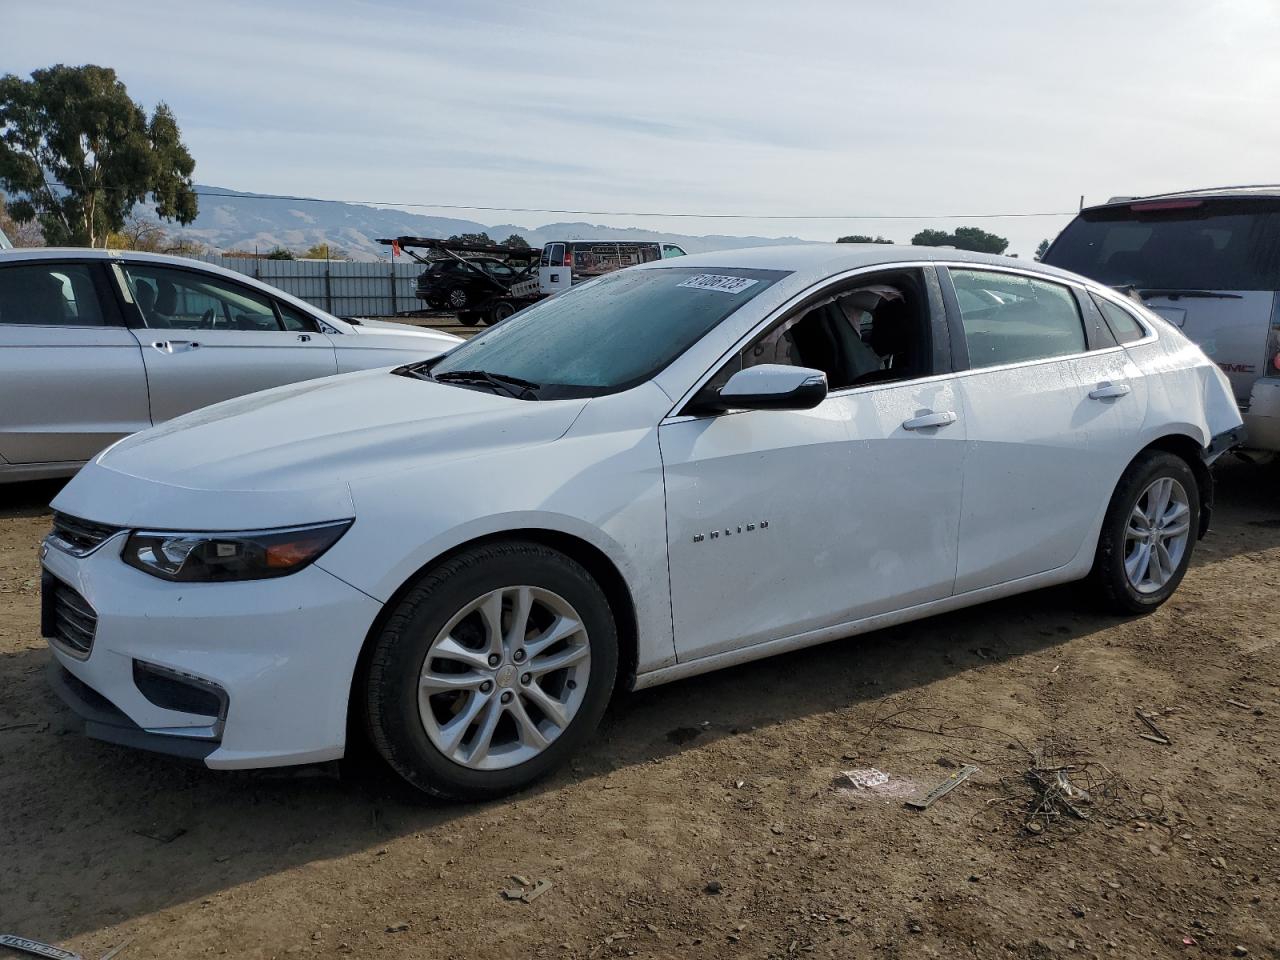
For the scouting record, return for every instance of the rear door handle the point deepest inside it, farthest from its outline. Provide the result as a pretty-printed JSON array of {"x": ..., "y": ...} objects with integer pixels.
[
  {"x": 1109, "y": 391},
  {"x": 174, "y": 346},
  {"x": 924, "y": 422}
]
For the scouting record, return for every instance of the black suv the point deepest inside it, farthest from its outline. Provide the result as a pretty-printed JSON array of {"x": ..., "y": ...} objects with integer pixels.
[{"x": 449, "y": 285}]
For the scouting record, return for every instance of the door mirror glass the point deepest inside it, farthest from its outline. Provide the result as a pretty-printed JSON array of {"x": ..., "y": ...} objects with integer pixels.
[{"x": 766, "y": 386}]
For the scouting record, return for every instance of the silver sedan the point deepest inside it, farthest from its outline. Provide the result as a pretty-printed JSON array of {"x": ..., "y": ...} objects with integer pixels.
[{"x": 96, "y": 345}]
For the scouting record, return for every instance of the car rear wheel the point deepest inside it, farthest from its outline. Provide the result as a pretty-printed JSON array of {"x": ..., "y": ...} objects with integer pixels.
[
  {"x": 1148, "y": 535},
  {"x": 491, "y": 671},
  {"x": 501, "y": 310},
  {"x": 458, "y": 299}
]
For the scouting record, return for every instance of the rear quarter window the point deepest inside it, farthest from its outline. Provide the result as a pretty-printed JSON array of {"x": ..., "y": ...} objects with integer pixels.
[{"x": 1124, "y": 326}]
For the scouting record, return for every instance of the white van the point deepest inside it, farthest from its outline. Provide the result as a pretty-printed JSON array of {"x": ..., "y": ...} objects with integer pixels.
[
  {"x": 1208, "y": 261},
  {"x": 566, "y": 262}
]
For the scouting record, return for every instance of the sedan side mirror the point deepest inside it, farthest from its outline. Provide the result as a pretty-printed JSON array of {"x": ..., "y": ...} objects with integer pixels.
[{"x": 767, "y": 386}]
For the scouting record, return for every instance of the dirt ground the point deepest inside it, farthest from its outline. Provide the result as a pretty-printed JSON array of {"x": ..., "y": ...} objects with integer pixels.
[{"x": 720, "y": 783}]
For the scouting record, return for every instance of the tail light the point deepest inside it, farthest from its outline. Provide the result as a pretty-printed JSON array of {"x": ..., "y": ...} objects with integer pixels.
[{"x": 568, "y": 257}]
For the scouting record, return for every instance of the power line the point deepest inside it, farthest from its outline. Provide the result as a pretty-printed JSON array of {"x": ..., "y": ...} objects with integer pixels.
[{"x": 624, "y": 213}]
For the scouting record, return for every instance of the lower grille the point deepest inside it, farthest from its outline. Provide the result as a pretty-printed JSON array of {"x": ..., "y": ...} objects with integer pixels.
[{"x": 67, "y": 618}]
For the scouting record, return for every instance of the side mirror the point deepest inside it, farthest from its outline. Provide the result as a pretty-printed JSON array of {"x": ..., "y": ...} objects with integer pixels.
[{"x": 768, "y": 386}]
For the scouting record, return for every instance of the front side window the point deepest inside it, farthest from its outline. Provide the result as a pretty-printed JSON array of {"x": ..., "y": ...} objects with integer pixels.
[
  {"x": 1123, "y": 326},
  {"x": 295, "y": 320},
  {"x": 874, "y": 330},
  {"x": 49, "y": 295},
  {"x": 611, "y": 333},
  {"x": 671, "y": 250},
  {"x": 1010, "y": 318},
  {"x": 184, "y": 300}
]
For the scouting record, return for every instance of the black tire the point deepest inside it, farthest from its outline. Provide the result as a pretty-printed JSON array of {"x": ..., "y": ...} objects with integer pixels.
[
  {"x": 501, "y": 310},
  {"x": 1108, "y": 581},
  {"x": 435, "y": 303},
  {"x": 400, "y": 648}
]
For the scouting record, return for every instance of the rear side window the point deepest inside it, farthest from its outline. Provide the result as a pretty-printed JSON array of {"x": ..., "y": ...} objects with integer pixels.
[
  {"x": 49, "y": 295},
  {"x": 1123, "y": 326},
  {"x": 1009, "y": 318}
]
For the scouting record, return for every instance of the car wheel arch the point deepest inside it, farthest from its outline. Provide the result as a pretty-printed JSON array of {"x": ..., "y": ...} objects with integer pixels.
[
  {"x": 590, "y": 556},
  {"x": 1186, "y": 447}
]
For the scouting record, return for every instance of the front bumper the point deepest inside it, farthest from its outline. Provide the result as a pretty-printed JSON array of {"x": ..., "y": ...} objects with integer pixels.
[
  {"x": 1262, "y": 419},
  {"x": 283, "y": 652}
]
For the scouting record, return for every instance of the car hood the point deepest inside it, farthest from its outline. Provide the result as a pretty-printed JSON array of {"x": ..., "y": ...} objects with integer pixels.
[
  {"x": 286, "y": 456},
  {"x": 384, "y": 327}
]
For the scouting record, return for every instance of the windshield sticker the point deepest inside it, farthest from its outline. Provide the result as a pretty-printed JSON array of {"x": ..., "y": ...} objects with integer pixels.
[{"x": 712, "y": 281}]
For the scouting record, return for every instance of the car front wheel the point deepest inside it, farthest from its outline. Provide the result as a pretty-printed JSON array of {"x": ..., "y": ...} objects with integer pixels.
[
  {"x": 491, "y": 671},
  {"x": 1148, "y": 535}
]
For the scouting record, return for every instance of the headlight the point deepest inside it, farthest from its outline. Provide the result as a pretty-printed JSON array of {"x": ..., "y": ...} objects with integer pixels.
[{"x": 216, "y": 556}]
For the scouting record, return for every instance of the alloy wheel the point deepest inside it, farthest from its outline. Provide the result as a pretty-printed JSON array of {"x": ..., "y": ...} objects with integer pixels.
[
  {"x": 504, "y": 677},
  {"x": 1157, "y": 534}
]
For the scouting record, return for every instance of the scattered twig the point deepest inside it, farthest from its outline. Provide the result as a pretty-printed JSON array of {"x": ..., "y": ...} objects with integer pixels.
[
  {"x": 1160, "y": 734},
  {"x": 1237, "y": 703}
]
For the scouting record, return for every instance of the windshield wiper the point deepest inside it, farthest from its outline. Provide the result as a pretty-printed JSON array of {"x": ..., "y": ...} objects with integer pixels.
[
  {"x": 1174, "y": 294},
  {"x": 516, "y": 387}
]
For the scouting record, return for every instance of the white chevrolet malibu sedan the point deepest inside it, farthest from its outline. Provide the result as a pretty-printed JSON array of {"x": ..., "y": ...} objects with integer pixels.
[{"x": 667, "y": 470}]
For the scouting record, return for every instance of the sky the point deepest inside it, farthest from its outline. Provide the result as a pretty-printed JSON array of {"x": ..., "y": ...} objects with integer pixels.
[{"x": 932, "y": 110}]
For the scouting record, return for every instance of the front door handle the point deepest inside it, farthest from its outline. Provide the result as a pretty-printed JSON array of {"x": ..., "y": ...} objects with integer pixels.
[
  {"x": 1109, "y": 391},
  {"x": 175, "y": 346},
  {"x": 925, "y": 421}
]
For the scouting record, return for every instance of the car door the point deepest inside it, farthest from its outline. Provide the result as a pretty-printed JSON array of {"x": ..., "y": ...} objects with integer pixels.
[
  {"x": 207, "y": 338},
  {"x": 71, "y": 375},
  {"x": 1051, "y": 416},
  {"x": 784, "y": 522}
]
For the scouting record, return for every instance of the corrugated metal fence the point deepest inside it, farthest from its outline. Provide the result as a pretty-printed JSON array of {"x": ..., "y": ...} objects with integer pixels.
[{"x": 378, "y": 289}]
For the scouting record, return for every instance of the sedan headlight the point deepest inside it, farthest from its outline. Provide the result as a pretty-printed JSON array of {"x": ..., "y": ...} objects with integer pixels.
[{"x": 217, "y": 556}]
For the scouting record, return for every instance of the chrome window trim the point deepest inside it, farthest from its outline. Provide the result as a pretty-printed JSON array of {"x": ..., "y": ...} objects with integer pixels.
[
  {"x": 776, "y": 314},
  {"x": 676, "y": 417}
]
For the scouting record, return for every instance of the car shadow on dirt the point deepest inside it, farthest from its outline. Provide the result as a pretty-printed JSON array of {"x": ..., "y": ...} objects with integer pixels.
[
  {"x": 81, "y": 803},
  {"x": 131, "y": 834}
]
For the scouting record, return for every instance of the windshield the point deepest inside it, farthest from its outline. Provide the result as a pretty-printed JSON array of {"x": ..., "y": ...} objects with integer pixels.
[
  {"x": 612, "y": 333},
  {"x": 1207, "y": 245}
]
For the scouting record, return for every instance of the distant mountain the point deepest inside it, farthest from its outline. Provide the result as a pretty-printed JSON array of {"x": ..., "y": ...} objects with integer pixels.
[{"x": 259, "y": 222}]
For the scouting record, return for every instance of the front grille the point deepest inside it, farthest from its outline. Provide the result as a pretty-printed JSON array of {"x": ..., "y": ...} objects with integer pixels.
[
  {"x": 81, "y": 537},
  {"x": 67, "y": 618}
]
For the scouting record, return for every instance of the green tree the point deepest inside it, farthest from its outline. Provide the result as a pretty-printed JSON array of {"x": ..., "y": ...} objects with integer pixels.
[
  {"x": 324, "y": 251},
  {"x": 77, "y": 153},
  {"x": 1042, "y": 249},
  {"x": 470, "y": 238},
  {"x": 280, "y": 253},
  {"x": 515, "y": 240},
  {"x": 862, "y": 238},
  {"x": 964, "y": 238}
]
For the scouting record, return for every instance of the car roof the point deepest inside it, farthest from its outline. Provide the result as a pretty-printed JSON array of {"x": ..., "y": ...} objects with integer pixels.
[
  {"x": 1256, "y": 191},
  {"x": 164, "y": 259},
  {"x": 815, "y": 261}
]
